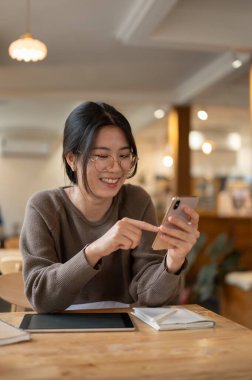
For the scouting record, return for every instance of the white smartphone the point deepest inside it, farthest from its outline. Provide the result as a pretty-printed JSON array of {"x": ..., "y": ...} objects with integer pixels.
[{"x": 176, "y": 210}]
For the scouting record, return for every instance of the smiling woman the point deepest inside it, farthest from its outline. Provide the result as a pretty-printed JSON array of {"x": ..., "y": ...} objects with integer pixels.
[
  {"x": 91, "y": 241},
  {"x": 112, "y": 155}
]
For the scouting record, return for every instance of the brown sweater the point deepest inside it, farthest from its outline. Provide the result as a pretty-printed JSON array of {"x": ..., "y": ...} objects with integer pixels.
[{"x": 56, "y": 272}]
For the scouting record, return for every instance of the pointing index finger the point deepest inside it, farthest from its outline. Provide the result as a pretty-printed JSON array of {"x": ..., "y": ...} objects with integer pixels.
[{"x": 143, "y": 225}]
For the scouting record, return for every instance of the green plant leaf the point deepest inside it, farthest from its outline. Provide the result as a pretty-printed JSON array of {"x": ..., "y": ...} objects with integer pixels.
[
  {"x": 193, "y": 254},
  {"x": 206, "y": 282},
  {"x": 221, "y": 245},
  {"x": 230, "y": 263}
]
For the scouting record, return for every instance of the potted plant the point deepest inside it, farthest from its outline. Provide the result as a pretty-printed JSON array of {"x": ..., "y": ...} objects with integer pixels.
[{"x": 221, "y": 258}]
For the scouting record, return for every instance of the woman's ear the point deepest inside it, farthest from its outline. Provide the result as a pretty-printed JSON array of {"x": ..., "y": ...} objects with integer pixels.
[{"x": 71, "y": 160}]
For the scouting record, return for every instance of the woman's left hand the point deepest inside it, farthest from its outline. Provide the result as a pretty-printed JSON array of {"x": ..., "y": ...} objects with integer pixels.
[{"x": 181, "y": 239}]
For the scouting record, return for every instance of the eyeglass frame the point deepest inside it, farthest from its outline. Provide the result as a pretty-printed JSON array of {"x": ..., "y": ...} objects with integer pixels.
[{"x": 135, "y": 159}]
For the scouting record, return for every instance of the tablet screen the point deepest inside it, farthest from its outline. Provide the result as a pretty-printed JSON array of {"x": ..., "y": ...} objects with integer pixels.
[{"x": 71, "y": 322}]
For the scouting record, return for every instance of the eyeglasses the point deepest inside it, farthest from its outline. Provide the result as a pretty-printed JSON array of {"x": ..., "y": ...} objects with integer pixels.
[{"x": 103, "y": 162}]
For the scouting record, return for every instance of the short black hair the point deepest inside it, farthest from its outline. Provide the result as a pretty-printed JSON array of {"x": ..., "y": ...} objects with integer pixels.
[{"x": 81, "y": 128}]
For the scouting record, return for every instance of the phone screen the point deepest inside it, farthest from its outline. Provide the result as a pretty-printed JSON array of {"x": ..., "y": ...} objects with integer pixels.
[{"x": 176, "y": 210}]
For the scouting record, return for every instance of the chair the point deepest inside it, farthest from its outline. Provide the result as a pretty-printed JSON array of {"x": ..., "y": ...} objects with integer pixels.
[
  {"x": 236, "y": 297},
  {"x": 12, "y": 291},
  {"x": 10, "y": 264},
  {"x": 12, "y": 242}
]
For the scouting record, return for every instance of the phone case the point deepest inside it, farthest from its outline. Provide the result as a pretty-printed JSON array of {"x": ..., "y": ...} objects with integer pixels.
[{"x": 176, "y": 210}]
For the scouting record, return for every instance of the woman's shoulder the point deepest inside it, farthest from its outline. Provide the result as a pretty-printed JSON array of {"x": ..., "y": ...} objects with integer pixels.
[
  {"x": 135, "y": 192},
  {"x": 44, "y": 199}
]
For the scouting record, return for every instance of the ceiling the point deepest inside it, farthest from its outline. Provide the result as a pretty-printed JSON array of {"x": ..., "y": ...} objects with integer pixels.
[{"x": 138, "y": 55}]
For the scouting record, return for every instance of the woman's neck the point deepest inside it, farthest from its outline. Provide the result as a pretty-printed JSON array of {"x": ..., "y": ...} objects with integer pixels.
[{"x": 91, "y": 207}]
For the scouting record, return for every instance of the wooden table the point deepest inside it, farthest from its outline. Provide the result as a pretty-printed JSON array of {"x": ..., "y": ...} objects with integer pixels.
[{"x": 223, "y": 352}]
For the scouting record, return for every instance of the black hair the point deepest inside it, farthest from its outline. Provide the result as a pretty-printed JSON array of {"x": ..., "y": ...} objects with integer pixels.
[{"x": 81, "y": 128}]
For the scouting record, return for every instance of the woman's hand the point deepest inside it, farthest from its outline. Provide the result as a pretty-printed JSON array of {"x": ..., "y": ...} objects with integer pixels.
[
  {"x": 125, "y": 234},
  {"x": 181, "y": 239}
]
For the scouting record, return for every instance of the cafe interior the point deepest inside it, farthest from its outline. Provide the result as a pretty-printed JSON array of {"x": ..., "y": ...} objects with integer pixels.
[{"x": 181, "y": 73}]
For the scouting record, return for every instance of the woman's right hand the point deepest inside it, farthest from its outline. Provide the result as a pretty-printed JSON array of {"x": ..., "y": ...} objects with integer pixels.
[{"x": 125, "y": 234}]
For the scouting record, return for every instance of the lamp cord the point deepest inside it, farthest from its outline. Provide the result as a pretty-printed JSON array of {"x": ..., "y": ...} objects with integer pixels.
[{"x": 28, "y": 13}]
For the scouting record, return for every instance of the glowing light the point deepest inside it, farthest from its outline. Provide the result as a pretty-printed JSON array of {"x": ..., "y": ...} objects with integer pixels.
[
  {"x": 234, "y": 141},
  {"x": 202, "y": 115},
  {"x": 27, "y": 49},
  {"x": 236, "y": 63},
  {"x": 167, "y": 161},
  {"x": 207, "y": 147},
  {"x": 195, "y": 140},
  {"x": 159, "y": 113}
]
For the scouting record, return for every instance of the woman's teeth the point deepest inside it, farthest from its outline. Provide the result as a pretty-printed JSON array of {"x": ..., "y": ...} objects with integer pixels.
[{"x": 110, "y": 180}]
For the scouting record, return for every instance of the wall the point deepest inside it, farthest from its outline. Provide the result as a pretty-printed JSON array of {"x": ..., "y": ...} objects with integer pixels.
[{"x": 20, "y": 177}]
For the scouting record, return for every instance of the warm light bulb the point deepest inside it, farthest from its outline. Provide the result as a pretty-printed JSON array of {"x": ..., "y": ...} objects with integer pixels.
[
  {"x": 234, "y": 141},
  {"x": 202, "y": 115},
  {"x": 195, "y": 140},
  {"x": 159, "y": 113},
  {"x": 167, "y": 161},
  {"x": 236, "y": 63},
  {"x": 207, "y": 147}
]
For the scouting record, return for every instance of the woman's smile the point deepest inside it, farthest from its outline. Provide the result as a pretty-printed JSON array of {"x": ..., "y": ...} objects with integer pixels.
[{"x": 110, "y": 180}]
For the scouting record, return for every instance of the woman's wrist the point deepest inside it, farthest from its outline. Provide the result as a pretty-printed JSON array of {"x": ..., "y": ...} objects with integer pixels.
[
  {"x": 92, "y": 256},
  {"x": 173, "y": 266}
]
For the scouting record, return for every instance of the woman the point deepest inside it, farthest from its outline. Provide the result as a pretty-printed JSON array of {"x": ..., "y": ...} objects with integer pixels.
[{"x": 91, "y": 241}]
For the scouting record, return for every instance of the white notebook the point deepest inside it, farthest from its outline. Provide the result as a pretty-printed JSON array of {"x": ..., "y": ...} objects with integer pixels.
[
  {"x": 172, "y": 318},
  {"x": 11, "y": 334}
]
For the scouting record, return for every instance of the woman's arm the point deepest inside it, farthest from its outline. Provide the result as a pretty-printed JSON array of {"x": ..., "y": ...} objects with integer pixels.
[
  {"x": 50, "y": 284},
  {"x": 157, "y": 279}
]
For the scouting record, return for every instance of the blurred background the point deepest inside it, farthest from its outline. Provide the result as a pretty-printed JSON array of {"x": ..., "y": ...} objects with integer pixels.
[{"x": 148, "y": 58}]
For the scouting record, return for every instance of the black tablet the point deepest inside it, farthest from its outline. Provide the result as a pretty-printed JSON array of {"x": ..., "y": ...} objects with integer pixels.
[{"x": 71, "y": 322}]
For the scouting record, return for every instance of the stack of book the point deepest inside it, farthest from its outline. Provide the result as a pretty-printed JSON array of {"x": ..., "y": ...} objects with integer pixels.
[{"x": 172, "y": 318}]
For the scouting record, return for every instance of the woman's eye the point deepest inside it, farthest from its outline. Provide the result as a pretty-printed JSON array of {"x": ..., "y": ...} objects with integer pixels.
[
  {"x": 123, "y": 156},
  {"x": 101, "y": 156}
]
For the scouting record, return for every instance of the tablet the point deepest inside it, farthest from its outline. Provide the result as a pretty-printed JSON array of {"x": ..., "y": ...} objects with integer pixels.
[{"x": 75, "y": 322}]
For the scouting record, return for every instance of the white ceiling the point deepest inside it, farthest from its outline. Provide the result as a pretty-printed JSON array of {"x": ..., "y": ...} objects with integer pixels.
[{"x": 135, "y": 54}]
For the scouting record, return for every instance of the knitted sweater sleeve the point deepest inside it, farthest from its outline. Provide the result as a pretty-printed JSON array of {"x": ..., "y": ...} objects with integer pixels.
[
  {"x": 152, "y": 285},
  {"x": 50, "y": 284}
]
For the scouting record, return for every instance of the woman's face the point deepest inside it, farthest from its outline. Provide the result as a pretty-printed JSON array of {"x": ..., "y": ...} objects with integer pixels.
[{"x": 106, "y": 180}]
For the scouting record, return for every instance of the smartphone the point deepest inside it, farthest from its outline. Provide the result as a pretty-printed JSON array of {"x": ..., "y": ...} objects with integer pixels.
[{"x": 176, "y": 210}]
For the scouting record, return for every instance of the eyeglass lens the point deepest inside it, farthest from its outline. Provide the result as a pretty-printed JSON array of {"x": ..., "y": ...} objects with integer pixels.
[{"x": 106, "y": 162}]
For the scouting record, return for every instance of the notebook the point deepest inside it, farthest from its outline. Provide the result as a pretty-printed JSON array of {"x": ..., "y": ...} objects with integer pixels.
[
  {"x": 11, "y": 334},
  {"x": 172, "y": 318}
]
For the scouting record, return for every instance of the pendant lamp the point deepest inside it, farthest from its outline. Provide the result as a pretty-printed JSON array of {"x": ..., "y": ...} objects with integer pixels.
[{"x": 26, "y": 48}]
